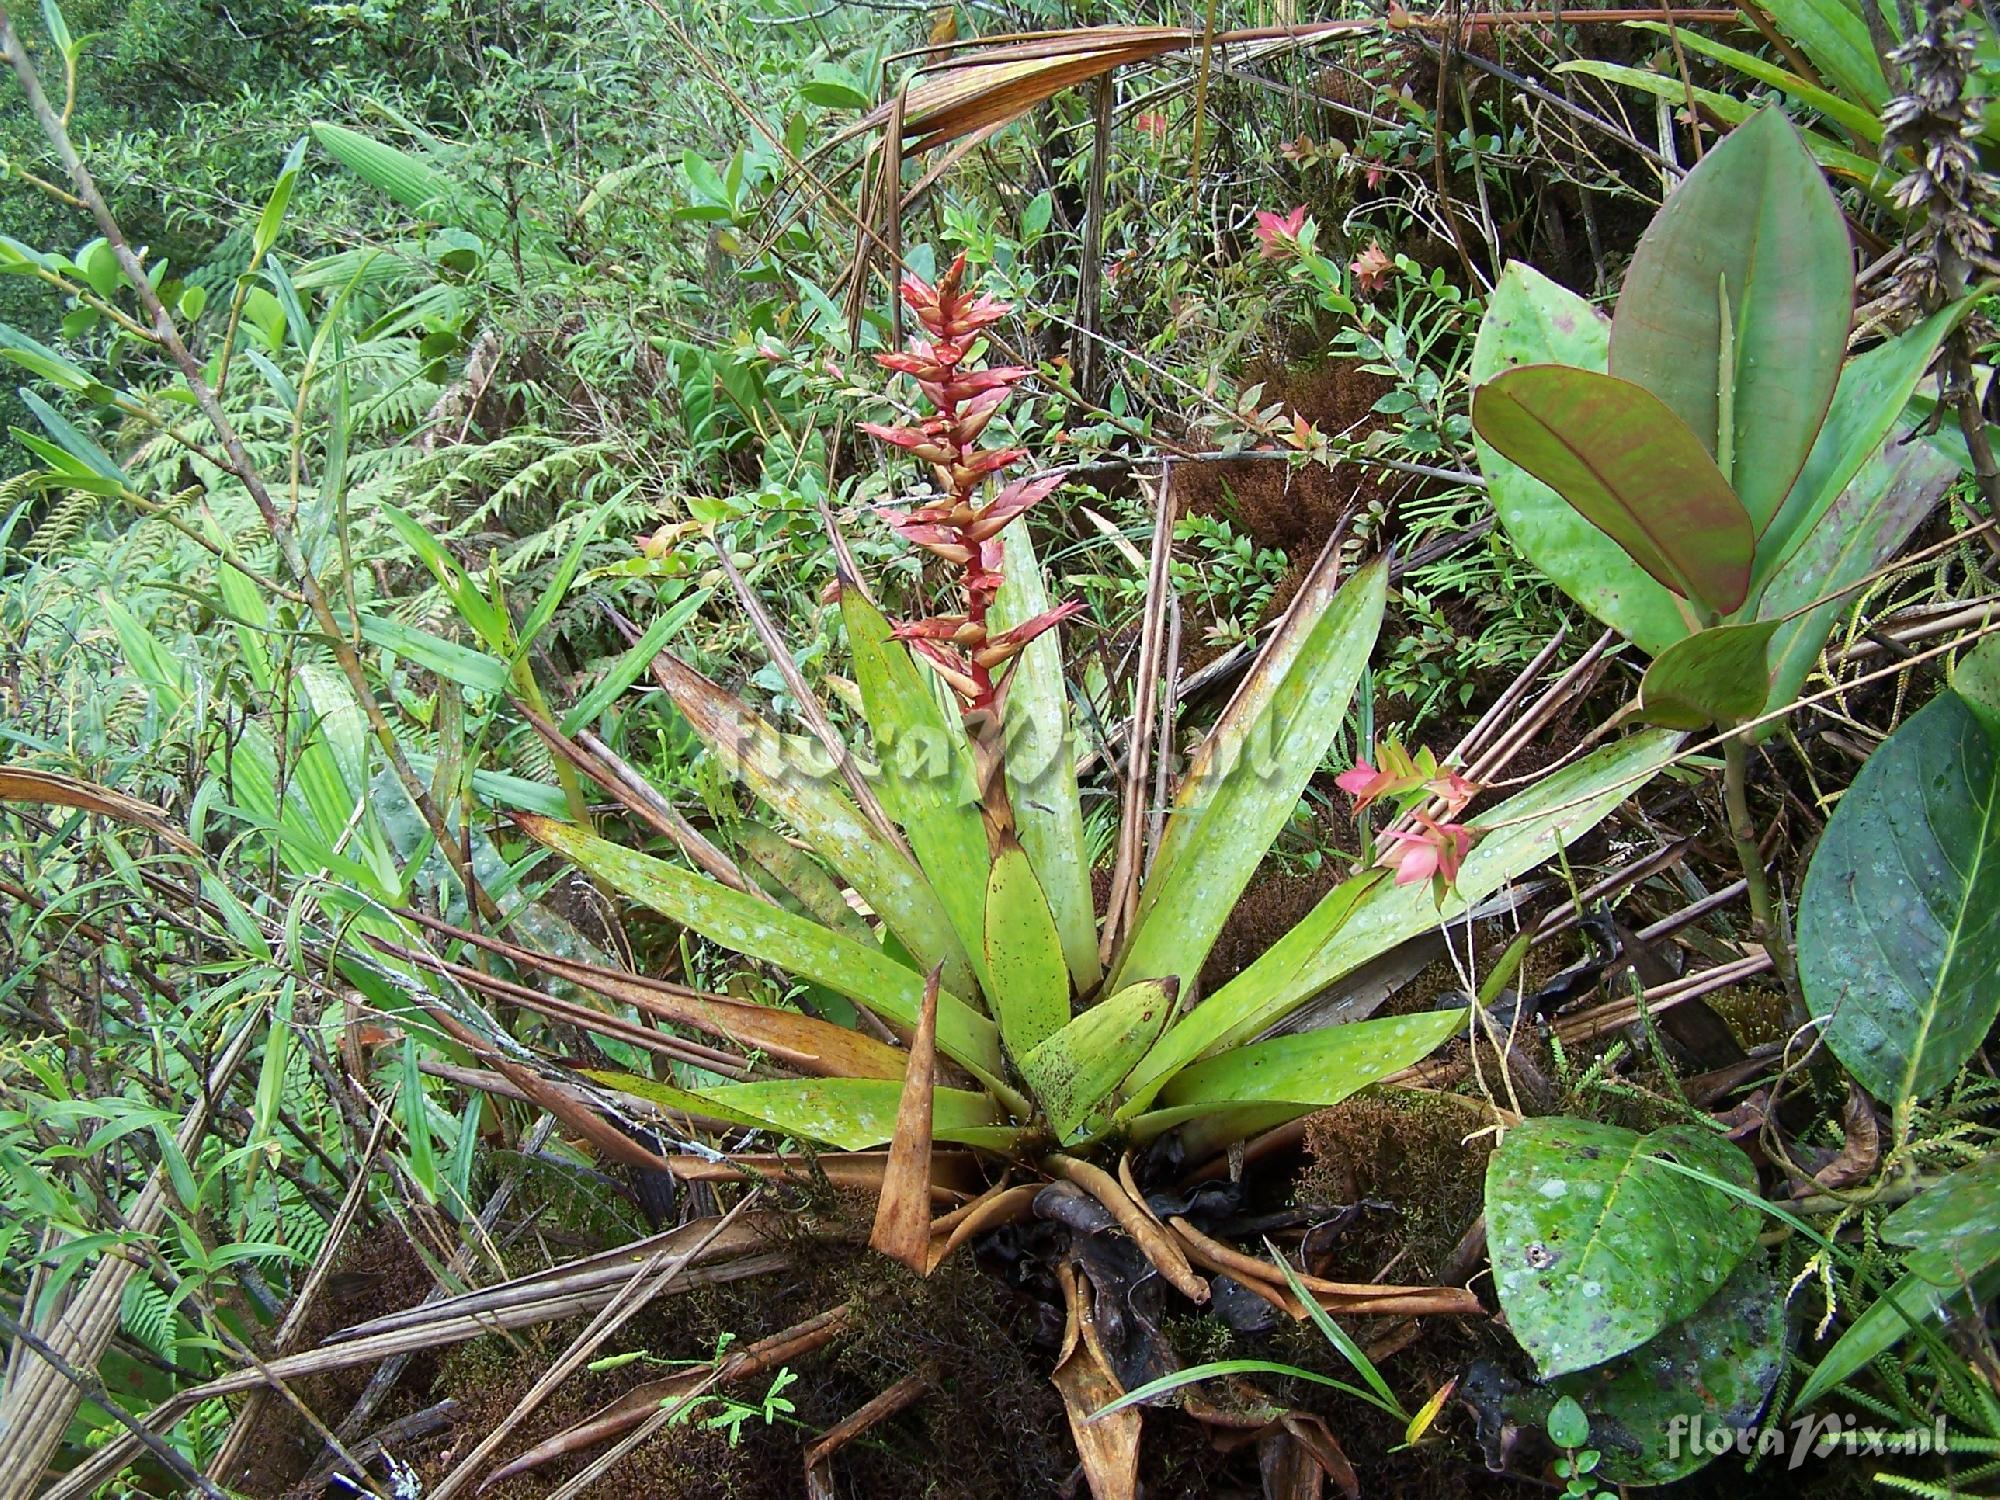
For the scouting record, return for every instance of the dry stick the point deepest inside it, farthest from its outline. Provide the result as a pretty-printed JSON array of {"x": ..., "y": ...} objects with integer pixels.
[
  {"x": 646, "y": 1283},
  {"x": 240, "y": 463},
  {"x": 104, "y": 1464},
  {"x": 904, "y": 1393},
  {"x": 1163, "y": 760},
  {"x": 1506, "y": 702},
  {"x": 809, "y": 705},
  {"x": 1090, "y": 274},
  {"x": 384, "y": 1379},
  {"x": 1125, "y": 875},
  {"x": 249, "y": 1415},
  {"x": 746, "y": 1364},
  {"x": 639, "y": 797},
  {"x": 527, "y": 998},
  {"x": 36, "y": 1407},
  {"x": 87, "y": 1384},
  {"x": 1545, "y": 708}
]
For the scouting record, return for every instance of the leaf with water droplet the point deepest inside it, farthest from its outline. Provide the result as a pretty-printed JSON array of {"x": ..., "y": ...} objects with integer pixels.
[{"x": 1628, "y": 1246}]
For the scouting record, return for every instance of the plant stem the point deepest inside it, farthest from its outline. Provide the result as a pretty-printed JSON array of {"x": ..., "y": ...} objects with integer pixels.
[
  {"x": 239, "y": 463},
  {"x": 1768, "y": 922}
]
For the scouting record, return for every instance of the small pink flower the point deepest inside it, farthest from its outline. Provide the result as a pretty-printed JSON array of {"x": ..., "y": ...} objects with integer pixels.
[
  {"x": 1431, "y": 851},
  {"x": 1453, "y": 790},
  {"x": 1278, "y": 234},
  {"x": 1154, "y": 125},
  {"x": 1371, "y": 270},
  {"x": 1364, "y": 783}
]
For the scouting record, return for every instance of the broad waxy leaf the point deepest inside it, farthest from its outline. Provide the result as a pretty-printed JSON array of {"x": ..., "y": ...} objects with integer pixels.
[
  {"x": 753, "y": 752},
  {"x": 1874, "y": 389},
  {"x": 1899, "y": 923},
  {"x": 1244, "y": 784},
  {"x": 1595, "y": 1248},
  {"x": 757, "y": 929},
  {"x": 1717, "y": 676},
  {"x": 1897, "y": 487},
  {"x": 1976, "y": 679},
  {"x": 1309, "y": 1071},
  {"x": 1532, "y": 321},
  {"x": 1953, "y": 1227},
  {"x": 1075, "y": 1070},
  {"x": 1634, "y": 469},
  {"x": 926, "y": 773},
  {"x": 1024, "y": 956},
  {"x": 1041, "y": 760},
  {"x": 1719, "y": 1365},
  {"x": 1753, "y": 226},
  {"x": 1368, "y": 915},
  {"x": 849, "y": 1114},
  {"x": 1953, "y": 1231}
]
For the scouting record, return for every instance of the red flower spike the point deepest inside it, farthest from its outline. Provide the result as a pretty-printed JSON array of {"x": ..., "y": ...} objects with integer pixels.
[
  {"x": 1013, "y": 640},
  {"x": 955, "y": 526},
  {"x": 1011, "y": 502},
  {"x": 1277, "y": 234},
  {"x": 956, "y": 629}
]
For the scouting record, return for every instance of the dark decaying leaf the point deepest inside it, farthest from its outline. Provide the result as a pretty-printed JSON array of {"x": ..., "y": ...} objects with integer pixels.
[{"x": 1718, "y": 1366}]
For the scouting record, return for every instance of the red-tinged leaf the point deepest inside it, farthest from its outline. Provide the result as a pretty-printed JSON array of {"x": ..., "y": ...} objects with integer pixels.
[
  {"x": 1631, "y": 467},
  {"x": 919, "y": 443},
  {"x": 1754, "y": 220},
  {"x": 1013, "y": 500},
  {"x": 937, "y": 628},
  {"x": 903, "y": 1213},
  {"x": 1027, "y": 630}
]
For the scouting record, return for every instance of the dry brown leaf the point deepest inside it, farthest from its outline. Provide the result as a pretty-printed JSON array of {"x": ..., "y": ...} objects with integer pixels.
[
  {"x": 819, "y": 1457},
  {"x": 954, "y": 1174},
  {"x": 1108, "y": 1447},
  {"x": 20, "y": 784},
  {"x": 903, "y": 1212},
  {"x": 1862, "y": 1151},
  {"x": 607, "y": 1139},
  {"x": 788, "y": 1038},
  {"x": 1306, "y": 1455}
]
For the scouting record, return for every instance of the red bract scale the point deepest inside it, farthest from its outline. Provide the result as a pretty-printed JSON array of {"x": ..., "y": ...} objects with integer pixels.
[{"x": 956, "y": 526}]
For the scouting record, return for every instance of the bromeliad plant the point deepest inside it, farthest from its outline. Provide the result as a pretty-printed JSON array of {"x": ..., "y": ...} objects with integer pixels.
[
  {"x": 943, "y": 890},
  {"x": 1710, "y": 474}
]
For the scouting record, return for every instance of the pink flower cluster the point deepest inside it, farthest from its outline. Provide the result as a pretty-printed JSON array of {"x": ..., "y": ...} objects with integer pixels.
[
  {"x": 1432, "y": 849},
  {"x": 956, "y": 527}
]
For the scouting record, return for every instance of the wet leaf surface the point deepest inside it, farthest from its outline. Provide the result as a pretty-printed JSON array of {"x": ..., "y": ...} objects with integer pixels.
[
  {"x": 1899, "y": 924},
  {"x": 1595, "y": 1247},
  {"x": 1718, "y": 1365}
]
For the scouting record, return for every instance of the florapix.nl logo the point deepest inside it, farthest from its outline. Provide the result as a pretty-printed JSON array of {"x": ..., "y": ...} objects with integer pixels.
[{"x": 1804, "y": 1438}]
